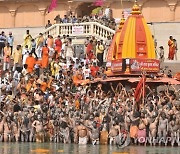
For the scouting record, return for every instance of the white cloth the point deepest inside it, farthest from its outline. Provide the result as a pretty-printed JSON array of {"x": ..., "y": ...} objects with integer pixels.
[
  {"x": 107, "y": 12},
  {"x": 86, "y": 73},
  {"x": 25, "y": 54},
  {"x": 69, "y": 50},
  {"x": 83, "y": 140}
]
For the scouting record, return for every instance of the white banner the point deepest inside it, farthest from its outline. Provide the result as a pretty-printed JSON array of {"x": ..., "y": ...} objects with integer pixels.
[{"x": 77, "y": 30}]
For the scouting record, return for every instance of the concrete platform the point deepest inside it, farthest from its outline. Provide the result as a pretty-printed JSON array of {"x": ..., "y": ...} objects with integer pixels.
[{"x": 18, "y": 33}]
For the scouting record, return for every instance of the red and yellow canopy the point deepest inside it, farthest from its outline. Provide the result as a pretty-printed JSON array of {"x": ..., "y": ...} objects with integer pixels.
[{"x": 133, "y": 40}]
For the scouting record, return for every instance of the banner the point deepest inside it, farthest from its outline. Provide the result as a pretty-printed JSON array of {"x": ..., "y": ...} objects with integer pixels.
[
  {"x": 116, "y": 65},
  {"x": 147, "y": 65},
  {"x": 77, "y": 30}
]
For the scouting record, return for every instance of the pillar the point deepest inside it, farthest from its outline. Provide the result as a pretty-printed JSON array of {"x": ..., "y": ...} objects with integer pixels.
[
  {"x": 172, "y": 6},
  {"x": 172, "y": 11},
  {"x": 42, "y": 11},
  {"x": 13, "y": 14}
]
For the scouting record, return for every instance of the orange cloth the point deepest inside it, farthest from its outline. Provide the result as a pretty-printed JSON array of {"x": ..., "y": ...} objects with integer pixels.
[
  {"x": 58, "y": 44},
  {"x": 49, "y": 83},
  {"x": 75, "y": 80},
  {"x": 45, "y": 57},
  {"x": 7, "y": 53},
  {"x": 171, "y": 50},
  {"x": 94, "y": 70},
  {"x": 77, "y": 104},
  {"x": 89, "y": 51},
  {"x": 29, "y": 85},
  {"x": 30, "y": 61},
  {"x": 44, "y": 86},
  {"x": 50, "y": 42},
  {"x": 104, "y": 137},
  {"x": 133, "y": 131},
  {"x": 39, "y": 62}
]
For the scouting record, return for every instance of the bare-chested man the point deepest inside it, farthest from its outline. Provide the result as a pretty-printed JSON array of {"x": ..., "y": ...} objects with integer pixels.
[
  {"x": 65, "y": 132},
  {"x": 7, "y": 129},
  {"x": 38, "y": 125},
  {"x": 32, "y": 130},
  {"x": 1, "y": 125},
  {"x": 94, "y": 133},
  {"x": 113, "y": 133},
  {"x": 142, "y": 128},
  {"x": 15, "y": 129},
  {"x": 81, "y": 133},
  {"x": 25, "y": 131},
  {"x": 162, "y": 127},
  {"x": 153, "y": 128},
  {"x": 174, "y": 127}
]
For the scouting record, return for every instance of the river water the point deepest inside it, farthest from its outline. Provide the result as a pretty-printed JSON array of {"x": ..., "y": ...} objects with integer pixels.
[{"x": 55, "y": 148}]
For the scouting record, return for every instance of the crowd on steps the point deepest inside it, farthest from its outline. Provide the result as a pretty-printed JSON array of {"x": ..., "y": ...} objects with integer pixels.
[{"x": 103, "y": 17}]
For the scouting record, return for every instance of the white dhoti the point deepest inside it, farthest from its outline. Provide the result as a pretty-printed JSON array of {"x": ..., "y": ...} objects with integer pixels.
[{"x": 83, "y": 140}]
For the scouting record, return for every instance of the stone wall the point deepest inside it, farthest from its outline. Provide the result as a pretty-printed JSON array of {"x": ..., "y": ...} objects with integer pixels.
[{"x": 34, "y": 13}]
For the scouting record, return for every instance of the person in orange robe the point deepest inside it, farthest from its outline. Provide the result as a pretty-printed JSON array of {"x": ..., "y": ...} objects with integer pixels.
[
  {"x": 7, "y": 53},
  {"x": 89, "y": 50},
  {"x": 30, "y": 61},
  {"x": 44, "y": 85},
  {"x": 171, "y": 48},
  {"x": 30, "y": 84},
  {"x": 58, "y": 45},
  {"x": 45, "y": 56}
]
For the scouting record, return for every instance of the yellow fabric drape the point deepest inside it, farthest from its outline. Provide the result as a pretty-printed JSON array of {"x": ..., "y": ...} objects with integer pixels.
[
  {"x": 118, "y": 36},
  {"x": 129, "y": 47},
  {"x": 150, "y": 41}
]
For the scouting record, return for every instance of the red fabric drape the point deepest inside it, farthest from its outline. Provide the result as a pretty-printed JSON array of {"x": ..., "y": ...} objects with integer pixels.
[
  {"x": 140, "y": 89},
  {"x": 52, "y": 5}
]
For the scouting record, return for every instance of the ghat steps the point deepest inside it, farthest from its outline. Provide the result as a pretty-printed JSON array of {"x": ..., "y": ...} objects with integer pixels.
[{"x": 161, "y": 31}]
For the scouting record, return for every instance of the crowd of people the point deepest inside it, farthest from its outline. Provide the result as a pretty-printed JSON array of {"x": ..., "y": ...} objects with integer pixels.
[
  {"x": 103, "y": 17},
  {"x": 42, "y": 102}
]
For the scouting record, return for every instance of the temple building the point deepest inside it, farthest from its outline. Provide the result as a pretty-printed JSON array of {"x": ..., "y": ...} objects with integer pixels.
[
  {"x": 132, "y": 50},
  {"x": 33, "y": 13}
]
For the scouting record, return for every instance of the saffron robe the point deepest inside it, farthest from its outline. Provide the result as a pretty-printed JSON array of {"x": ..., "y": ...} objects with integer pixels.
[
  {"x": 30, "y": 61},
  {"x": 45, "y": 57}
]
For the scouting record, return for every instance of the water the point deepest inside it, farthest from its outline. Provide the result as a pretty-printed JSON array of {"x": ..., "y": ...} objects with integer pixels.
[{"x": 55, "y": 148}]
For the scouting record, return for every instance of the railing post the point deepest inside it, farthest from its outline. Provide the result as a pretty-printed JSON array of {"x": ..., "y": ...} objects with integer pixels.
[
  {"x": 91, "y": 31},
  {"x": 57, "y": 30}
]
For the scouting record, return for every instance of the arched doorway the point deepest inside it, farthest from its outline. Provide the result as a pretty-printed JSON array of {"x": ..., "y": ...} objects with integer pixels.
[
  {"x": 85, "y": 9},
  {"x": 28, "y": 16}
]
